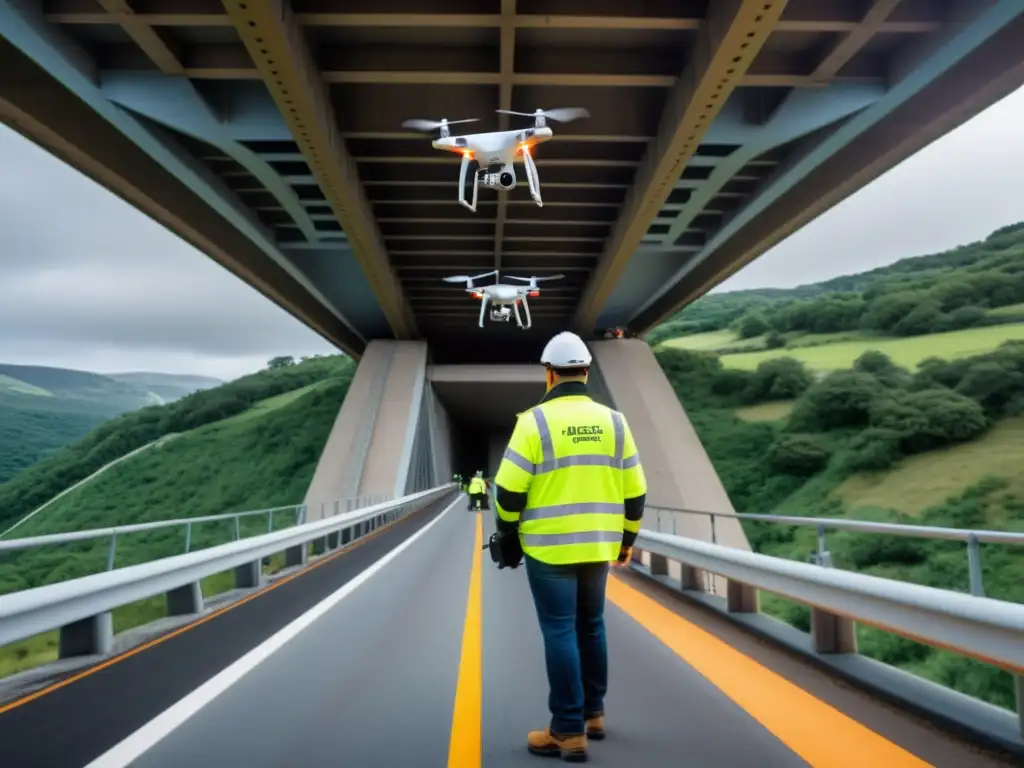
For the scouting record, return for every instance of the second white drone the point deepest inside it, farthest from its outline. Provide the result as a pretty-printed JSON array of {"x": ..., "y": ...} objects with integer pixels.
[
  {"x": 497, "y": 151},
  {"x": 503, "y": 299}
]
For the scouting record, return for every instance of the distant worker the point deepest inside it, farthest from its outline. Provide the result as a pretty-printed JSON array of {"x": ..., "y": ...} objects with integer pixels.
[
  {"x": 478, "y": 491},
  {"x": 570, "y": 483}
]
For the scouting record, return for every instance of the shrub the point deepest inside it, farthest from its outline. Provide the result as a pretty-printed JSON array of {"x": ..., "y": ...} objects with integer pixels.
[
  {"x": 873, "y": 450},
  {"x": 800, "y": 455},
  {"x": 841, "y": 399},
  {"x": 780, "y": 379}
]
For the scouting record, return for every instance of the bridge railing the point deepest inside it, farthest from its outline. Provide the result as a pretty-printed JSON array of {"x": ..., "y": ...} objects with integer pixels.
[
  {"x": 990, "y": 631},
  {"x": 81, "y": 608},
  {"x": 233, "y": 519},
  {"x": 666, "y": 521}
]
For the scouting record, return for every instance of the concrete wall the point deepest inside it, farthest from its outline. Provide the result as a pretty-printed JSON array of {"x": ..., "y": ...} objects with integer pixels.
[
  {"x": 679, "y": 473},
  {"x": 337, "y": 473},
  {"x": 440, "y": 436},
  {"x": 390, "y": 447}
]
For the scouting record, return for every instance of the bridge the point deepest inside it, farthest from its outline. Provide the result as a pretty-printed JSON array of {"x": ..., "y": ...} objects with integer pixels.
[{"x": 268, "y": 135}]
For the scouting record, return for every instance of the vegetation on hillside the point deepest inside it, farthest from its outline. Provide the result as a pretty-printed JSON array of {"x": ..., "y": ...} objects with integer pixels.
[
  {"x": 253, "y": 443},
  {"x": 42, "y": 481},
  {"x": 43, "y": 409},
  {"x": 974, "y": 285},
  {"x": 849, "y": 427}
]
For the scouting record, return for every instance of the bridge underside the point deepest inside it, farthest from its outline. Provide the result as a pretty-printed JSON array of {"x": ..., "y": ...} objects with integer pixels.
[{"x": 269, "y": 135}]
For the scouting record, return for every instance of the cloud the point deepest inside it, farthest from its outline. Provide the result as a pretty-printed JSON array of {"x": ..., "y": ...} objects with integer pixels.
[
  {"x": 956, "y": 190},
  {"x": 87, "y": 281}
]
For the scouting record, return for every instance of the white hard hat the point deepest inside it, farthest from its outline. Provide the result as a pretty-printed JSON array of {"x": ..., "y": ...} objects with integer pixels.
[{"x": 566, "y": 350}]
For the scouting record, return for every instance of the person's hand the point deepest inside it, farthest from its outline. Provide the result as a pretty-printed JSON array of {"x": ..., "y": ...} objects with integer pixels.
[{"x": 625, "y": 553}]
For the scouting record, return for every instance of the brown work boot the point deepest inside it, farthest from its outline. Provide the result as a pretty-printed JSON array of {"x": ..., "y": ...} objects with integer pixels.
[
  {"x": 571, "y": 748},
  {"x": 595, "y": 727}
]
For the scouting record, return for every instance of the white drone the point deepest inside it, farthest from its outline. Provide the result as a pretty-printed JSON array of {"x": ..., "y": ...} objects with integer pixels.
[
  {"x": 504, "y": 299},
  {"x": 497, "y": 152}
]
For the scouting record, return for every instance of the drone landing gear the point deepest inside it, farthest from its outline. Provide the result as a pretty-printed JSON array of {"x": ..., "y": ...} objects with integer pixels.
[
  {"x": 463, "y": 171},
  {"x": 519, "y": 319},
  {"x": 533, "y": 178}
]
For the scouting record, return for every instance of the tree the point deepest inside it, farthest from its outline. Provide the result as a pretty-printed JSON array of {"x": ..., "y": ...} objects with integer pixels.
[
  {"x": 783, "y": 378},
  {"x": 283, "y": 361},
  {"x": 800, "y": 455},
  {"x": 752, "y": 325}
]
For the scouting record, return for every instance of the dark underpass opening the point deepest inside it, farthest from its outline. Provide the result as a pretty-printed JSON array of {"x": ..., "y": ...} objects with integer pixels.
[{"x": 482, "y": 402}]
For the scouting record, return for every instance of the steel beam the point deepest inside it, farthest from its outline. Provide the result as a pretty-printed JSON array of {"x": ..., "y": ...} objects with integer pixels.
[
  {"x": 725, "y": 48},
  {"x": 175, "y": 103},
  {"x": 35, "y": 105},
  {"x": 979, "y": 62},
  {"x": 276, "y": 42},
  {"x": 506, "y": 70},
  {"x": 66, "y": 64}
]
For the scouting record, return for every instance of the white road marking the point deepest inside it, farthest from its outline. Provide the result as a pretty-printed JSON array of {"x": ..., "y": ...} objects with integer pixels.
[{"x": 162, "y": 725}]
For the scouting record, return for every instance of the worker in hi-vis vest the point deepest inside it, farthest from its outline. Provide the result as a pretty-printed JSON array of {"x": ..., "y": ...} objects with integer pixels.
[
  {"x": 571, "y": 483},
  {"x": 478, "y": 491}
]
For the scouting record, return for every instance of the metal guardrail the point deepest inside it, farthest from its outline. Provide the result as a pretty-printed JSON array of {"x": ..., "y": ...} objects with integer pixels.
[
  {"x": 81, "y": 608},
  {"x": 991, "y": 631},
  {"x": 235, "y": 518},
  {"x": 972, "y": 537}
]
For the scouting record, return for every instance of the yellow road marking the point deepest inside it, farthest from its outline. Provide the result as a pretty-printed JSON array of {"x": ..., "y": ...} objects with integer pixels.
[
  {"x": 817, "y": 732},
  {"x": 464, "y": 748}
]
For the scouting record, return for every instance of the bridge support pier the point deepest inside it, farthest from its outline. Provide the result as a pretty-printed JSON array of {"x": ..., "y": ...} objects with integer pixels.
[
  {"x": 87, "y": 637},
  {"x": 185, "y": 600},
  {"x": 248, "y": 575},
  {"x": 831, "y": 633}
]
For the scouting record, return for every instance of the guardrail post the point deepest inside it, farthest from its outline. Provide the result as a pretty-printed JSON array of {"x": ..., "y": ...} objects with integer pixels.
[
  {"x": 974, "y": 566},
  {"x": 741, "y": 598},
  {"x": 1018, "y": 688},
  {"x": 248, "y": 575},
  {"x": 824, "y": 558},
  {"x": 691, "y": 578},
  {"x": 270, "y": 521},
  {"x": 831, "y": 633},
  {"x": 294, "y": 556},
  {"x": 238, "y": 528},
  {"x": 188, "y": 537},
  {"x": 659, "y": 565},
  {"x": 87, "y": 637},
  {"x": 111, "y": 551},
  {"x": 185, "y": 600}
]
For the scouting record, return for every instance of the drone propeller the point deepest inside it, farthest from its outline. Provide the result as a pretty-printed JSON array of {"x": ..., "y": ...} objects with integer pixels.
[
  {"x": 419, "y": 124},
  {"x": 561, "y": 115},
  {"x": 534, "y": 279},
  {"x": 468, "y": 278}
]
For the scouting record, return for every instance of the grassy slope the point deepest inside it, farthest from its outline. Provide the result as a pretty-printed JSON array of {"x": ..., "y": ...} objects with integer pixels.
[
  {"x": 45, "y": 409},
  {"x": 822, "y": 353},
  {"x": 926, "y": 480},
  {"x": 262, "y": 457}
]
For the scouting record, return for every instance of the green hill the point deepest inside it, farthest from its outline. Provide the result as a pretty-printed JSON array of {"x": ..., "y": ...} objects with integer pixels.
[
  {"x": 940, "y": 446},
  {"x": 975, "y": 285},
  {"x": 43, "y": 408},
  {"x": 248, "y": 444},
  {"x": 169, "y": 387}
]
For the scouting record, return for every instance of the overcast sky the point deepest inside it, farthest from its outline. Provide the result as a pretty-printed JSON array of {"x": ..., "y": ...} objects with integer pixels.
[{"x": 88, "y": 282}]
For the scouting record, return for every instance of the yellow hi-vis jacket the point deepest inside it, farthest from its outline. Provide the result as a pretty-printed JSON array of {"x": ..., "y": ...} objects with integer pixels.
[
  {"x": 576, "y": 462},
  {"x": 477, "y": 485}
]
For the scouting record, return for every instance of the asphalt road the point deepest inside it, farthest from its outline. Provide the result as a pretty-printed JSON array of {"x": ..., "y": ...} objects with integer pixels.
[{"x": 358, "y": 663}]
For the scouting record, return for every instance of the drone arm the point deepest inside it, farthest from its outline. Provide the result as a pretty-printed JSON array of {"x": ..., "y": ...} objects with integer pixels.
[
  {"x": 532, "y": 176},
  {"x": 462, "y": 184}
]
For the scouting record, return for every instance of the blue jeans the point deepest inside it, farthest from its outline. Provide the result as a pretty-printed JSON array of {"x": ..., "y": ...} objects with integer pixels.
[{"x": 570, "y": 608}]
